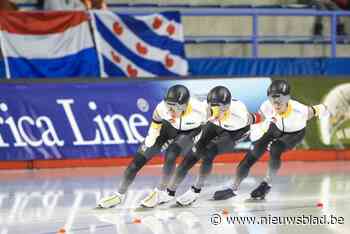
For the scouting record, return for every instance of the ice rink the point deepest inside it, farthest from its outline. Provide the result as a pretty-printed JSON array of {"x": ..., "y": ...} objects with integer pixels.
[{"x": 62, "y": 201}]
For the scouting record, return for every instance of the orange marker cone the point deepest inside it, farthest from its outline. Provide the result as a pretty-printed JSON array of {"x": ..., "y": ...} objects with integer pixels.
[
  {"x": 225, "y": 211},
  {"x": 61, "y": 231},
  {"x": 136, "y": 221}
]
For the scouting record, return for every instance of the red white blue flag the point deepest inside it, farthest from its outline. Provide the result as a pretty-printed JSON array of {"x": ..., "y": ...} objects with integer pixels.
[{"x": 47, "y": 44}]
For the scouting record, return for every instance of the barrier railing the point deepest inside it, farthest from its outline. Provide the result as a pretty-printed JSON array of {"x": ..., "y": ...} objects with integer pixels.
[{"x": 256, "y": 13}]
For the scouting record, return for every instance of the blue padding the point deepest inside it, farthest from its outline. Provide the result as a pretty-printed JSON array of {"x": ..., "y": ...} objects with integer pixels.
[
  {"x": 269, "y": 6},
  {"x": 2, "y": 69},
  {"x": 269, "y": 66},
  {"x": 237, "y": 6},
  {"x": 338, "y": 66}
]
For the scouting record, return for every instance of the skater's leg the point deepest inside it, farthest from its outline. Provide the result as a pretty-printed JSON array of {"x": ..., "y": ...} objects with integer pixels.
[
  {"x": 143, "y": 155},
  {"x": 169, "y": 165},
  {"x": 192, "y": 194},
  {"x": 276, "y": 150},
  {"x": 208, "y": 133},
  {"x": 206, "y": 165},
  {"x": 280, "y": 145},
  {"x": 158, "y": 195},
  {"x": 140, "y": 159},
  {"x": 181, "y": 145},
  {"x": 181, "y": 171},
  {"x": 249, "y": 160},
  {"x": 225, "y": 142},
  {"x": 253, "y": 155}
]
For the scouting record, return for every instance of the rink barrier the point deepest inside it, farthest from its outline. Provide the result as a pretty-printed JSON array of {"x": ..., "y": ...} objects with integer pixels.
[
  {"x": 66, "y": 148},
  {"x": 295, "y": 155},
  {"x": 43, "y": 121}
]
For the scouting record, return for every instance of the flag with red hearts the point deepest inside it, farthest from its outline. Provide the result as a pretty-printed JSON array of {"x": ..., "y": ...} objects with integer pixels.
[{"x": 140, "y": 46}]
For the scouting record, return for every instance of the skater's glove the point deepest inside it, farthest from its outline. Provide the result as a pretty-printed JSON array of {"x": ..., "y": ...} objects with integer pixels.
[{"x": 321, "y": 111}]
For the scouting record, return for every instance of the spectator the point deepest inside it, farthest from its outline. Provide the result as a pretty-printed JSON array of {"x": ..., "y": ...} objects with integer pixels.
[
  {"x": 343, "y": 4},
  {"x": 64, "y": 5},
  {"x": 6, "y": 5},
  {"x": 333, "y": 5},
  {"x": 95, "y": 4},
  {"x": 61, "y": 5}
]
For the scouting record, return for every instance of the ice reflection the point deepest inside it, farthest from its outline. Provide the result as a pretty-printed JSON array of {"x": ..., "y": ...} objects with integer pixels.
[{"x": 41, "y": 205}]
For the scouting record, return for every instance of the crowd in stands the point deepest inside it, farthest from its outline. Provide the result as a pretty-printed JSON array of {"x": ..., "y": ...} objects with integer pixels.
[
  {"x": 7, "y": 5},
  {"x": 59, "y": 4},
  {"x": 101, "y": 4},
  {"x": 332, "y": 5},
  {"x": 72, "y": 4}
]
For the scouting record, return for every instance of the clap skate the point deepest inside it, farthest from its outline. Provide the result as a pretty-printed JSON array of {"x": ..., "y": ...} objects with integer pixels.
[{"x": 259, "y": 193}]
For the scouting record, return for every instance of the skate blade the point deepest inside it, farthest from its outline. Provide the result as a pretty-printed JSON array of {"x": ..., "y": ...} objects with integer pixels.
[
  {"x": 163, "y": 203},
  {"x": 99, "y": 207},
  {"x": 223, "y": 197},
  {"x": 255, "y": 200},
  {"x": 180, "y": 205},
  {"x": 142, "y": 208}
]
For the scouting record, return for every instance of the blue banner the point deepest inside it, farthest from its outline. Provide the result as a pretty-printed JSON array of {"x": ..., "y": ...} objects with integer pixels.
[{"x": 80, "y": 120}]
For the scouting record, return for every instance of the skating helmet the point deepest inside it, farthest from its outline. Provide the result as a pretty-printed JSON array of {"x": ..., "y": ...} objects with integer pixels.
[
  {"x": 219, "y": 100},
  {"x": 177, "y": 98},
  {"x": 219, "y": 96},
  {"x": 279, "y": 91}
]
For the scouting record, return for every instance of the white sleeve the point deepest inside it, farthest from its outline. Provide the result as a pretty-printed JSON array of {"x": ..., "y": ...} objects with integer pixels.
[
  {"x": 304, "y": 109},
  {"x": 157, "y": 114},
  {"x": 205, "y": 112},
  {"x": 258, "y": 130},
  {"x": 154, "y": 129},
  {"x": 243, "y": 110},
  {"x": 265, "y": 109}
]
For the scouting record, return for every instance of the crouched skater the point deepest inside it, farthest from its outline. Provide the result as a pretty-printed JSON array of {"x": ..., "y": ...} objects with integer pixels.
[
  {"x": 286, "y": 122},
  {"x": 229, "y": 123},
  {"x": 176, "y": 122}
]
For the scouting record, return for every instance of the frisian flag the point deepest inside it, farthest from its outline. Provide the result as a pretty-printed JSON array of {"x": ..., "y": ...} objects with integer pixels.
[
  {"x": 140, "y": 46},
  {"x": 47, "y": 44}
]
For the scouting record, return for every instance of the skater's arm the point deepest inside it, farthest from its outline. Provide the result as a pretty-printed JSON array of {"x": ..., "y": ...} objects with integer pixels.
[
  {"x": 319, "y": 111},
  {"x": 262, "y": 114},
  {"x": 255, "y": 118},
  {"x": 154, "y": 129}
]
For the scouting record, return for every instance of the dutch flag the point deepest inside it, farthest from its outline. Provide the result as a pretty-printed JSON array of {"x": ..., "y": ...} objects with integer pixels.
[{"x": 50, "y": 44}]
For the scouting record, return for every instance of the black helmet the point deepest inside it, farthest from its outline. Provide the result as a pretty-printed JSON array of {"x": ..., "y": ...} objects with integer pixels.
[
  {"x": 177, "y": 94},
  {"x": 219, "y": 95},
  {"x": 278, "y": 87}
]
